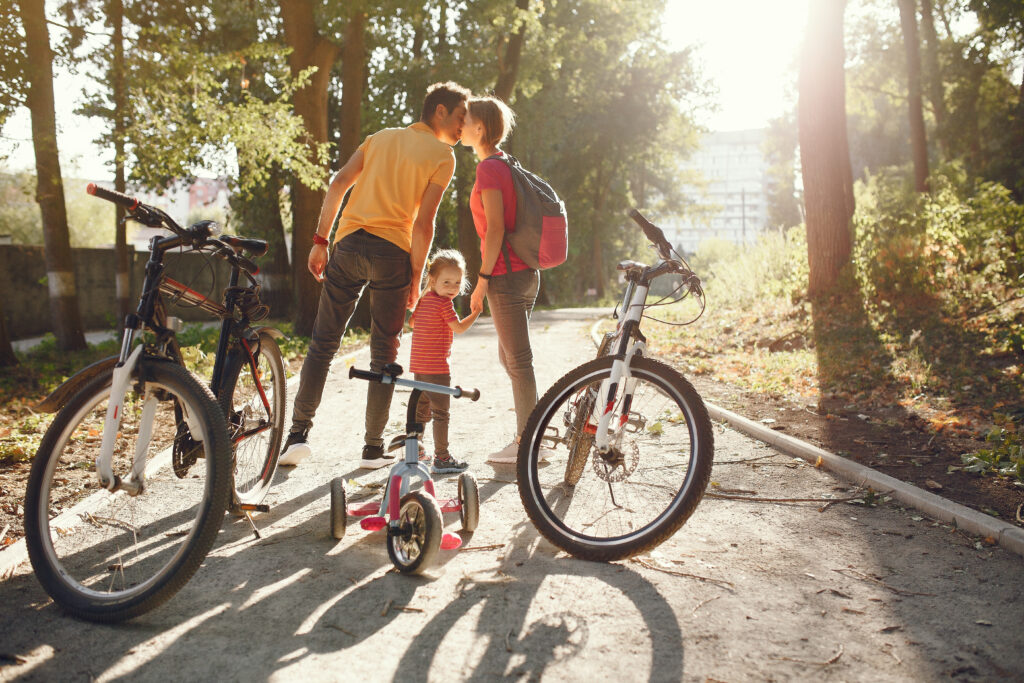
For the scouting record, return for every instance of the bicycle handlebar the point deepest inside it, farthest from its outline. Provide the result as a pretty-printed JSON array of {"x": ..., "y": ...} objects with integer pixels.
[
  {"x": 390, "y": 378},
  {"x": 653, "y": 233}
]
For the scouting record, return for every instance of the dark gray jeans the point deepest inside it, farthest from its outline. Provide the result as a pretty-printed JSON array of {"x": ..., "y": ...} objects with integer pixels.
[
  {"x": 359, "y": 260},
  {"x": 511, "y": 298}
]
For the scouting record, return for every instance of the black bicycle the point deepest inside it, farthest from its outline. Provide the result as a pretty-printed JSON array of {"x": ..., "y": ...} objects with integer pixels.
[{"x": 171, "y": 454}]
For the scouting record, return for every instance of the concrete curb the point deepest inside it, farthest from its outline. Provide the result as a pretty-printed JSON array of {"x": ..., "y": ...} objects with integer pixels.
[
  {"x": 1009, "y": 536},
  {"x": 17, "y": 552}
]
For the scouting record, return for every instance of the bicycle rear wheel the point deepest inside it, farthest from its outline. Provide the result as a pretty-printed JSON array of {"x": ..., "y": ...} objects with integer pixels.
[
  {"x": 612, "y": 506},
  {"x": 253, "y": 399},
  {"x": 110, "y": 556}
]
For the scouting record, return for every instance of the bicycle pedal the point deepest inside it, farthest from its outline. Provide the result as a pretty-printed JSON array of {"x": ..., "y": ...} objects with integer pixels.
[{"x": 254, "y": 507}]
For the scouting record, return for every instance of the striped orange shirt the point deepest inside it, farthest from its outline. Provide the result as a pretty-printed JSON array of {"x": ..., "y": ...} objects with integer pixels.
[{"x": 432, "y": 335}]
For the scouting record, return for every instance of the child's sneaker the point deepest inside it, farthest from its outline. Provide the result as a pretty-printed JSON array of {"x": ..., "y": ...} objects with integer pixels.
[
  {"x": 448, "y": 465},
  {"x": 295, "y": 449}
]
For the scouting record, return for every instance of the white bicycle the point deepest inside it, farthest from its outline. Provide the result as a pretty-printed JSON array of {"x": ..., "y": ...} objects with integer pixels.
[{"x": 617, "y": 454}]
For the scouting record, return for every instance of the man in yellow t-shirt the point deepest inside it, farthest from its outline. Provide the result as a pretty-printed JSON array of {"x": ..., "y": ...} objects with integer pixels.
[{"x": 381, "y": 244}]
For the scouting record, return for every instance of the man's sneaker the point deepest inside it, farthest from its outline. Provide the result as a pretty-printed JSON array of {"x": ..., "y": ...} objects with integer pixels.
[
  {"x": 295, "y": 450},
  {"x": 374, "y": 458},
  {"x": 507, "y": 455},
  {"x": 448, "y": 465}
]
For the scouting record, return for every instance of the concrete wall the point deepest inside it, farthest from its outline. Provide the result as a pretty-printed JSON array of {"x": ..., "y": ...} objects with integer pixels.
[{"x": 26, "y": 301}]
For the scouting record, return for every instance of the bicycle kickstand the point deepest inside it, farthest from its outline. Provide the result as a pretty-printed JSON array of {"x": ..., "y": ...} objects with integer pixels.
[{"x": 247, "y": 510}]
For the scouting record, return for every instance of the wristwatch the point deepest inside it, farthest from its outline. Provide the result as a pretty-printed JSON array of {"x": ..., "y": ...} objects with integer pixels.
[{"x": 486, "y": 276}]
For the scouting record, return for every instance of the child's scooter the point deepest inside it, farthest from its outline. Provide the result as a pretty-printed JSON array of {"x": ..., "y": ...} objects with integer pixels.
[{"x": 413, "y": 518}]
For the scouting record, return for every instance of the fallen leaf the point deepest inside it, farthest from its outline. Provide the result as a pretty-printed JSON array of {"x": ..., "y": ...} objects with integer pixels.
[
  {"x": 932, "y": 485},
  {"x": 983, "y": 622}
]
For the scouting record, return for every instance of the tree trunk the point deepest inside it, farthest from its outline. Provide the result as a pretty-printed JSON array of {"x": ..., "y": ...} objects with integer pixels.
[
  {"x": 508, "y": 67},
  {"x": 122, "y": 256},
  {"x": 918, "y": 142},
  {"x": 597, "y": 250},
  {"x": 934, "y": 76},
  {"x": 353, "y": 80},
  {"x": 824, "y": 151},
  {"x": 67, "y": 322},
  {"x": 7, "y": 357},
  {"x": 309, "y": 48}
]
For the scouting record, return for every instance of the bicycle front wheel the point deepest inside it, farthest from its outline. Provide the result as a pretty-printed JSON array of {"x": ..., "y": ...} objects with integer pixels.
[
  {"x": 108, "y": 556},
  {"x": 253, "y": 399},
  {"x": 624, "y": 502}
]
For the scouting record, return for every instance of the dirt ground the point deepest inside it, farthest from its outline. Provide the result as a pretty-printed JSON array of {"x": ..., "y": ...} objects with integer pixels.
[
  {"x": 906, "y": 451},
  {"x": 844, "y": 586}
]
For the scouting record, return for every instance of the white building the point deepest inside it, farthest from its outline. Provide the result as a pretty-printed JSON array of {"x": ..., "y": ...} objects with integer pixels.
[{"x": 732, "y": 205}]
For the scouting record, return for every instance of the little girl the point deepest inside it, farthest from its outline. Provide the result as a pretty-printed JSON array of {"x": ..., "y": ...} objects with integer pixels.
[{"x": 434, "y": 323}]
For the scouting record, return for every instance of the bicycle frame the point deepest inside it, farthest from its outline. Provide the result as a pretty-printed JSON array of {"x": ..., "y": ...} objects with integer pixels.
[{"x": 151, "y": 313}]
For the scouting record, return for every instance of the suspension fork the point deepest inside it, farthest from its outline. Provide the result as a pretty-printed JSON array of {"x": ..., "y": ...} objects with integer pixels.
[{"x": 115, "y": 412}]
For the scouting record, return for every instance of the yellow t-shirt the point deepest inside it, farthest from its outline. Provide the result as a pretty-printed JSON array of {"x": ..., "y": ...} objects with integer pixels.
[{"x": 398, "y": 164}]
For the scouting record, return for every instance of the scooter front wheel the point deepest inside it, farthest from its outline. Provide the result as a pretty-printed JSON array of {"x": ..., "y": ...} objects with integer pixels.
[
  {"x": 339, "y": 508},
  {"x": 414, "y": 544}
]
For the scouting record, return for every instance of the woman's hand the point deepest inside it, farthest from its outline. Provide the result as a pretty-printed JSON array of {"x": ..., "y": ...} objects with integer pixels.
[{"x": 476, "y": 301}]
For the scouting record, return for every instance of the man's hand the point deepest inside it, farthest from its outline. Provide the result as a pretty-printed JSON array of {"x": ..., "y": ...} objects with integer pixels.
[
  {"x": 414, "y": 297},
  {"x": 476, "y": 301},
  {"x": 317, "y": 261}
]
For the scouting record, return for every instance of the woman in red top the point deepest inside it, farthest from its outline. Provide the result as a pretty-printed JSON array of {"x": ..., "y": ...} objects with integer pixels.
[{"x": 509, "y": 284}]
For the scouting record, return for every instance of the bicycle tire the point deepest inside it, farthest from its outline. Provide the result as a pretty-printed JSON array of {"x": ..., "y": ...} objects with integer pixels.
[
  {"x": 469, "y": 501},
  {"x": 255, "y": 456},
  {"x": 413, "y": 547},
  {"x": 673, "y": 433},
  {"x": 109, "y": 557}
]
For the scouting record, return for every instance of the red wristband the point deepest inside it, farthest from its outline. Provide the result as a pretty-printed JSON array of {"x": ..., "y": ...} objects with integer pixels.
[{"x": 317, "y": 239}]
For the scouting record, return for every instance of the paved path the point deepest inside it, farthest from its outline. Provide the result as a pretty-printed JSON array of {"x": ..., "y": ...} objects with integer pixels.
[{"x": 744, "y": 592}]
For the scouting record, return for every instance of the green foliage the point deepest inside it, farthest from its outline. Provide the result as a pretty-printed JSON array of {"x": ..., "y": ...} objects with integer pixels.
[
  {"x": 962, "y": 244},
  {"x": 740, "y": 277},
  {"x": 1005, "y": 457},
  {"x": 12, "y": 61}
]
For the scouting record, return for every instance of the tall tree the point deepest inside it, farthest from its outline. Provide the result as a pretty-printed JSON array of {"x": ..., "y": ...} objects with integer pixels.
[
  {"x": 933, "y": 74},
  {"x": 310, "y": 48},
  {"x": 824, "y": 150},
  {"x": 918, "y": 142},
  {"x": 7, "y": 357},
  {"x": 67, "y": 322},
  {"x": 118, "y": 85}
]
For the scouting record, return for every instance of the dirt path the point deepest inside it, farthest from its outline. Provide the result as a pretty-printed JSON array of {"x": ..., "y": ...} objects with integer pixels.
[{"x": 746, "y": 591}]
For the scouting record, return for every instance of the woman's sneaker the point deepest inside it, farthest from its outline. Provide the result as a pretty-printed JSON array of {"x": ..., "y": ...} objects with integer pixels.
[
  {"x": 295, "y": 449},
  {"x": 508, "y": 455},
  {"x": 448, "y": 465}
]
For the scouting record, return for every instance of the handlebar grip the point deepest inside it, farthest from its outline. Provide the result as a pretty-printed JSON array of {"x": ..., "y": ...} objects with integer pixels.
[
  {"x": 254, "y": 246},
  {"x": 653, "y": 232},
  {"x": 353, "y": 373},
  {"x": 471, "y": 394},
  {"x": 124, "y": 200}
]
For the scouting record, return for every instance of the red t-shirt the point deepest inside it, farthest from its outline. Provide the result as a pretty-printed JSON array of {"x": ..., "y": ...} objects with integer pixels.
[
  {"x": 432, "y": 335},
  {"x": 494, "y": 174}
]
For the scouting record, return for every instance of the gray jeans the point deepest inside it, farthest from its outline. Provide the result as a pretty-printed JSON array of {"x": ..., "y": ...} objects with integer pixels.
[
  {"x": 511, "y": 298},
  {"x": 435, "y": 406},
  {"x": 358, "y": 261}
]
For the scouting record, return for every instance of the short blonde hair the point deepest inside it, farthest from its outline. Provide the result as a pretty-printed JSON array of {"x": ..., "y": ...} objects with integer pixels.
[
  {"x": 496, "y": 116},
  {"x": 448, "y": 258}
]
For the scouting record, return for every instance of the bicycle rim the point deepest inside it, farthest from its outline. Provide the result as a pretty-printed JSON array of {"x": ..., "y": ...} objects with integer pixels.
[
  {"x": 644, "y": 489},
  {"x": 255, "y": 414},
  {"x": 110, "y": 556}
]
